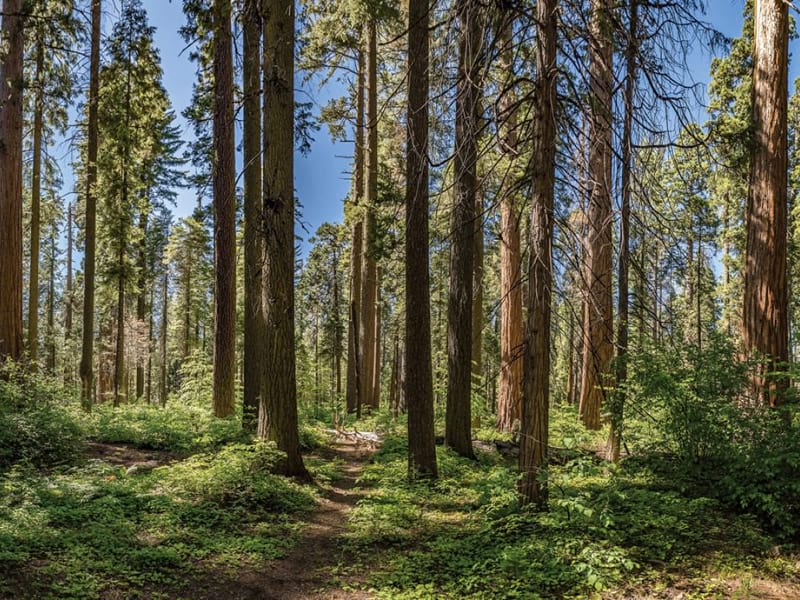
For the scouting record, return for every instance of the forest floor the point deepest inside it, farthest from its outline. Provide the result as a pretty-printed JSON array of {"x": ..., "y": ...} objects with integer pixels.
[{"x": 309, "y": 570}]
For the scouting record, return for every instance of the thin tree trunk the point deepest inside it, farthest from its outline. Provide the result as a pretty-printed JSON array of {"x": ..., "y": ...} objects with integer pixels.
[
  {"x": 51, "y": 307},
  {"x": 11, "y": 180},
  {"x": 68, "y": 302},
  {"x": 36, "y": 204},
  {"x": 617, "y": 413},
  {"x": 418, "y": 368},
  {"x": 535, "y": 411},
  {"x": 766, "y": 321},
  {"x": 163, "y": 339},
  {"x": 458, "y": 413},
  {"x": 253, "y": 208},
  {"x": 509, "y": 401},
  {"x": 119, "y": 353},
  {"x": 224, "y": 215},
  {"x": 279, "y": 396},
  {"x": 141, "y": 304},
  {"x": 477, "y": 293},
  {"x": 598, "y": 326},
  {"x": 377, "y": 354}
]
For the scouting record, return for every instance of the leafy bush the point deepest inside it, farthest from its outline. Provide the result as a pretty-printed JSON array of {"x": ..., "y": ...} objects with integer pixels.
[
  {"x": 36, "y": 425},
  {"x": 175, "y": 427}
]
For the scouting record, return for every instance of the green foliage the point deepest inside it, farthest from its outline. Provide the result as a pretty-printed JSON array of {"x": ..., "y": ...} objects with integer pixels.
[
  {"x": 465, "y": 536},
  {"x": 99, "y": 531},
  {"x": 36, "y": 426},
  {"x": 176, "y": 427}
]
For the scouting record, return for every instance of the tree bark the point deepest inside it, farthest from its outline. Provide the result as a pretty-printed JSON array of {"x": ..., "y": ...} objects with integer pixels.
[
  {"x": 36, "y": 209},
  {"x": 369, "y": 287},
  {"x": 279, "y": 396},
  {"x": 509, "y": 401},
  {"x": 162, "y": 380},
  {"x": 617, "y": 413},
  {"x": 353, "y": 400},
  {"x": 477, "y": 293},
  {"x": 253, "y": 208},
  {"x": 418, "y": 368},
  {"x": 90, "y": 214},
  {"x": 11, "y": 84},
  {"x": 535, "y": 411},
  {"x": 68, "y": 302},
  {"x": 224, "y": 215},
  {"x": 598, "y": 317},
  {"x": 458, "y": 412},
  {"x": 766, "y": 315}
]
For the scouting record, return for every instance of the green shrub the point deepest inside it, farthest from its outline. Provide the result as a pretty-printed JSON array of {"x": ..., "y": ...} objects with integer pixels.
[
  {"x": 175, "y": 427},
  {"x": 36, "y": 425}
]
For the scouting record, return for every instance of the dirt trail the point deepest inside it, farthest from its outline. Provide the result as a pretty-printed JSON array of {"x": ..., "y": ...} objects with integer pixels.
[{"x": 306, "y": 572}]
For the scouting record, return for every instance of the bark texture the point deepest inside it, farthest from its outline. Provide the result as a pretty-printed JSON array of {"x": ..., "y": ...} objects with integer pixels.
[
  {"x": 253, "y": 207},
  {"x": 224, "y": 215},
  {"x": 11, "y": 180},
  {"x": 766, "y": 318},
  {"x": 617, "y": 413},
  {"x": 418, "y": 368},
  {"x": 279, "y": 395},
  {"x": 462, "y": 246},
  {"x": 598, "y": 326},
  {"x": 90, "y": 215},
  {"x": 536, "y": 404},
  {"x": 509, "y": 401},
  {"x": 36, "y": 207}
]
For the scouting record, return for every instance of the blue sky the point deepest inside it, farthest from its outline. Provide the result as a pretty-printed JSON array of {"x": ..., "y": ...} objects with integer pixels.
[{"x": 320, "y": 178}]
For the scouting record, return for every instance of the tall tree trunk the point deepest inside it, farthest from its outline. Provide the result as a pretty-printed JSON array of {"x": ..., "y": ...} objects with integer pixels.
[
  {"x": 119, "y": 352},
  {"x": 368, "y": 262},
  {"x": 509, "y": 401},
  {"x": 418, "y": 367},
  {"x": 536, "y": 404},
  {"x": 766, "y": 315},
  {"x": 617, "y": 412},
  {"x": 458, "y": 435},
  {"x": 90, "y": 214},
  {"x": 224, "y": 215},
  {"x": 150, "y": 348},
  {"x": 253, "y": 208},
  {"x": 11, "y": 180},
  {"x": 279, "y": 396},
  {"x": 36, "y": 209},
  {"x": 353, "y": 399},
  {"x": 68, "y": 302},
  {"x": 598, "y": 327}
]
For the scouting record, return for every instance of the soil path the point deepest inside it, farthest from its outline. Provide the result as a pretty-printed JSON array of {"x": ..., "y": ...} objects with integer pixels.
[{"x": 307, "y": 571}]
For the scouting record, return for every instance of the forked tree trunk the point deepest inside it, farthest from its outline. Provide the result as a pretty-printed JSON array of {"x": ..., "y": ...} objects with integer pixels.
[
  {"x": 766, "y": 318},
  {"x": 418, "y": 367},
  {"x": 535, "y": 412},
  {"x": 279, "y": 395},
  {"x": 598, "y": 350}
]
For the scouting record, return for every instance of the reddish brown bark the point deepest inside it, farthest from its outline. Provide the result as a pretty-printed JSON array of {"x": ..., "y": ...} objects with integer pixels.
[
  {"x": 598, "y": 350},
  {"x": 11, "y": 84},
  {"x": 766, "y": 315},
  {"x": 509, "y": 399}
]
